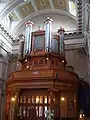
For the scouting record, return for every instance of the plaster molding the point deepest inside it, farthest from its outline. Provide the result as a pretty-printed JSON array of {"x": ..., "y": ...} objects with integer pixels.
[{"x": 9, "y": 7}]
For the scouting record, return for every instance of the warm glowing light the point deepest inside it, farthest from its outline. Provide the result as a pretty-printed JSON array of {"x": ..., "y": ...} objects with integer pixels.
[
  {"x": 27, "y": 66},
  {"x": 47, "y": 58},
  {"x": 13, "y": 99},
  {"x": 37, "y": 99},
  {"x": 25, "y": 60},
  {"x": 80, "y": 116},
  {"x": 62, "y": 98},
  {"x": 83, "y": 115},
  {"x": 62, "y": 61},
  {"x": 72, "y": 7},
  {"x": 17, "y": 64}
]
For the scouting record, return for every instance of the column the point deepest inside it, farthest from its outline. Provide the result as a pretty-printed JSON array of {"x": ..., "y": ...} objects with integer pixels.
[
  {"x": 7, "y": 105},
  {"x": 16, "y": 104},
  {"x": 13, "y": 109},
  {"x": 48, "y": 34},
  {"x": 86, "y": 21},
  {"x": 85, "y": 16},
  {"x": 3, "y": 73},
  {"x": 12, "y": 63},
  {"x": 28, "y": 35}
]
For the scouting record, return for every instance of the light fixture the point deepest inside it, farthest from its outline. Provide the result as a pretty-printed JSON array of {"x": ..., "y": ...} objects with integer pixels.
[
  {"x": 80, "y": 116},
  {"x": 62, "y": 98},
  {"x": 13, "y": 99},
  {"x": 62, "y": 61},
  {"x": 47, "y": 58},
  {"x": 27, "y": 66},
  {"x": 37, "y": 99},
  {"x": 17, "y": 64},
  {"x": 25, "y": 60}
]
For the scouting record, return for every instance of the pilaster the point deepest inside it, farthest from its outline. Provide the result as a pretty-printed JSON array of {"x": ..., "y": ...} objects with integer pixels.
[
  {"x": 12, "y": 63},
  {"x": 3, "y": 74}
]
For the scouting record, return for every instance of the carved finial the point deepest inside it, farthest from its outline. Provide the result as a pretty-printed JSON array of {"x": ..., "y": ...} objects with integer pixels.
[
  {"x": 48, "y": 19},
  {"x": 39, "y": 27},
  {"x": 61, "y": 30}
]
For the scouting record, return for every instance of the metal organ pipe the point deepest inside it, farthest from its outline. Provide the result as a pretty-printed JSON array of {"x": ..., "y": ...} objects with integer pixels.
[
  {"x": 61, "y": 40},
  {"x": 28, "y": 34},
  {"x": 48, "y": 34},
  {"x": 21, "y": 46}
]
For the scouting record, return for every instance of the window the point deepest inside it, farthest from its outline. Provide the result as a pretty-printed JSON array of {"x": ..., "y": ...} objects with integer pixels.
[{"x": 72, "y": 8}]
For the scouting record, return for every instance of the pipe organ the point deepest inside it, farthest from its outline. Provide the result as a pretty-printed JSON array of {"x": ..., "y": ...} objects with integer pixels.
[
  {"x": 44, "y": 88},
  {"x": 21, "y": 47},
  {"x": 28, "y": 34},
  {"x": 48, "y": 35}
]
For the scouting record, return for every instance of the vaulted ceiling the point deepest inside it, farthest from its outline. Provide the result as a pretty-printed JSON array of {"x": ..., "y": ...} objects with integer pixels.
[{"x": 14, "y": 13}]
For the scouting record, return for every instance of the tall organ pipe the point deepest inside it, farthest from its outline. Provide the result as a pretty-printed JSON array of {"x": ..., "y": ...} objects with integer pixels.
[
  {"x": 61, "y": 40},
  {"x": 48, "y": 34},
  {"x": 28, "y": 34},
  {"x": 21, "y": 46}
]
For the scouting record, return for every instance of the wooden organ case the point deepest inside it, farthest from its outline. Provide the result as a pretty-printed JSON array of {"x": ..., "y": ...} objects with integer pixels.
[{"x": 44, "y": 88}]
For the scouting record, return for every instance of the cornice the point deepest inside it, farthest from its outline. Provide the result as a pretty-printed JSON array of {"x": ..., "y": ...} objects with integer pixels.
[
  {"x": 6, "y": 33},
  {"x": 9, "y": 7}
]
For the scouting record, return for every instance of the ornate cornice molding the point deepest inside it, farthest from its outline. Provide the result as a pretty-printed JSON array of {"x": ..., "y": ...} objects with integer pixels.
[{"x": 9, "y": 7}]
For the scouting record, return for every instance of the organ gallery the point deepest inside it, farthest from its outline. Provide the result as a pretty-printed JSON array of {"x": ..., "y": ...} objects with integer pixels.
[{"x": 44, "y": 88}]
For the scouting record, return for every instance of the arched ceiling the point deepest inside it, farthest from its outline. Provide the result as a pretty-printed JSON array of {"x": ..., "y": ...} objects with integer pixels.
[{"x": 14, "y": 13}]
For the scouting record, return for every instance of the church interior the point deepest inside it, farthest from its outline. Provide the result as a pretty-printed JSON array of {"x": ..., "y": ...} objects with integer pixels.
[{"x": 44, "y": 60}]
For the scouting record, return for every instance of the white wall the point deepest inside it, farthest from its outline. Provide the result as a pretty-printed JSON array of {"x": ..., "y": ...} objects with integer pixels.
[
  {"x": 5, "y": 43},
  {"x": 58, "y": 20},
  {"x": 80, "y": 63},
  {"x": 68, "y": 23}
]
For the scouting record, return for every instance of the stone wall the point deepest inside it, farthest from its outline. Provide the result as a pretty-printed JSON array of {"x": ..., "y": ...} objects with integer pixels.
[{"x": 78, "y": 59}]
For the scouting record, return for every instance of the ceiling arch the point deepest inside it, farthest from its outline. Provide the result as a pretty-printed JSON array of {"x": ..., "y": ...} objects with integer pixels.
[
  {"x": 45, "y": 13},
  {"x": 16, "y": 12}
]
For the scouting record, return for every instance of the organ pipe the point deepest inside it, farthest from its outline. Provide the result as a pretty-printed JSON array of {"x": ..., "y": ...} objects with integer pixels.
[
  {"x": 21, "y": 46},
  {"x": 48, "y": 35},
  {"x": 28, "y": 34},
  {"x": 61, "y": 40}
]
